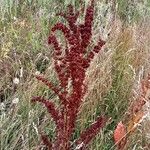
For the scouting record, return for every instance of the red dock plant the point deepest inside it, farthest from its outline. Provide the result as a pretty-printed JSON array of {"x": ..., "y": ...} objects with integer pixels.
[{"x": 70, "y": 66}]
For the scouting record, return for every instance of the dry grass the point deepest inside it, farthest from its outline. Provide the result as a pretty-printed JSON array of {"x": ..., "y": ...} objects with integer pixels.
[{"x": 113, "y": 78}]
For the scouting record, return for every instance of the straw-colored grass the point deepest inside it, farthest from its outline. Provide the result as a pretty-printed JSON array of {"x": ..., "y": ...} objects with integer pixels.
[{"x": 113, "y": 79}]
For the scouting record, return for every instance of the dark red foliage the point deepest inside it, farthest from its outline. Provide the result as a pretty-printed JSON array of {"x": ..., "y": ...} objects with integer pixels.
[
  {"x": 71, "y": 65},
  {"x": 46, "y": 141},
  {"x": 50, "y": 107},
  {"x": 87, "y": 135}
]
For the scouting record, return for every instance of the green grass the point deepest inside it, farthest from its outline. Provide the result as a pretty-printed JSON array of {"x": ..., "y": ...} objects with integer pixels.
[{"x": 24, "y": 28}]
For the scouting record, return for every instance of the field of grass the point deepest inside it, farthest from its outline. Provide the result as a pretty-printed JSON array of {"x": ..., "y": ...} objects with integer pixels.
[{"x": 113, "y": 78}]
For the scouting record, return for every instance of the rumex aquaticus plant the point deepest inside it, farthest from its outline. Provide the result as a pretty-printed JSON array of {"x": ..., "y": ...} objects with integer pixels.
[{"x": 70, "y": 65}]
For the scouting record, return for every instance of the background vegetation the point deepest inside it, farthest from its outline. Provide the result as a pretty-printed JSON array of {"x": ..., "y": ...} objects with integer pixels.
[{"x": 113, "y": 78}]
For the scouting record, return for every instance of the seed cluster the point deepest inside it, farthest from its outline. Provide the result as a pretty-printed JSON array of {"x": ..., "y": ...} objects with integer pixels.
[{"x": 71, "y": 67}]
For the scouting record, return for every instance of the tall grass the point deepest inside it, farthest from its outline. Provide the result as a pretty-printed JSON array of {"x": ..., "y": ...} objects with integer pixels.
[{"x": 113, "y": 77}]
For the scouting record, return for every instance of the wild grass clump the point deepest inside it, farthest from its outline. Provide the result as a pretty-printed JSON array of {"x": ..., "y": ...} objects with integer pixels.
[{"x": 113, "y": 79}]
